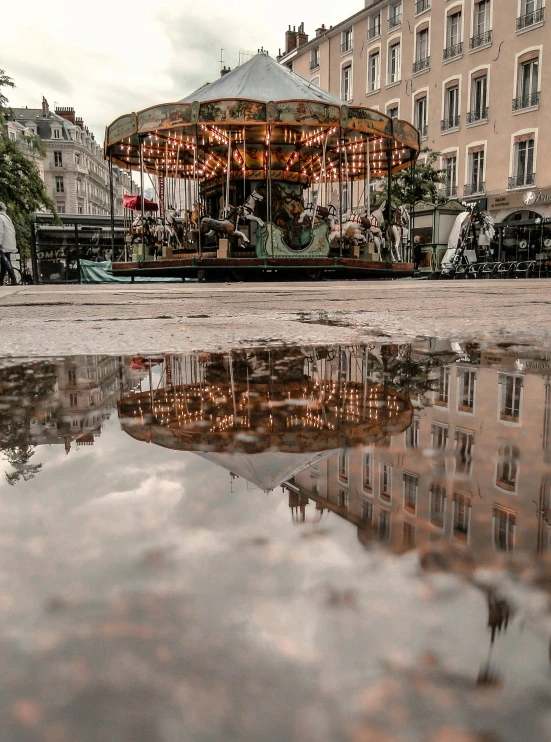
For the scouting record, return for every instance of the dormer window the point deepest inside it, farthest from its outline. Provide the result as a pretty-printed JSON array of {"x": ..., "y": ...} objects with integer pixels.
[{"x": 56, "y": 133}]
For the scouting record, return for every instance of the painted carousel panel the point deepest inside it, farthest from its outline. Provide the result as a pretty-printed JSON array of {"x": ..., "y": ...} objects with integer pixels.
[
  {"x": 406, "y": 134},
  {"x": 122, "y": 128},
  {"x": 368, "y": 121},
  {"x": 308, "y": 113},
  {"x": 164, "y": 117},
  {"x": 232, "y": 111}
]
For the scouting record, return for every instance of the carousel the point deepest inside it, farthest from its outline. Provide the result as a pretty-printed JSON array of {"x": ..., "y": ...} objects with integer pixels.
[
  {"x": 261, "y": 169},
  {"x": 265, "y": 415}
]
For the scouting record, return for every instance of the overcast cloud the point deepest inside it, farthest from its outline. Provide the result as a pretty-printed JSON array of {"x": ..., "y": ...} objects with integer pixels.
[{"x": 110, "y": 57}]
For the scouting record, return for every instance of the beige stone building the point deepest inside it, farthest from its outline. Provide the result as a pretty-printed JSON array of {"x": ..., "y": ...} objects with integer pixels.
[
  {"x": 74, "y": 170},
  {"x": 472, "y": 470},
  {"x": 470, "y": 74}
]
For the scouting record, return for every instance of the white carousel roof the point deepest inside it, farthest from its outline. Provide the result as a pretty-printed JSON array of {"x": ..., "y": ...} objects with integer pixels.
[
  {"x": 265, "y": 470},
  {"x": 263, "y": 79}
]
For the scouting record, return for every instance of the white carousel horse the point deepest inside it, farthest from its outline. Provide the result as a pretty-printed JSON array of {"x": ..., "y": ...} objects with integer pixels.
[
  {"x": 170, "y": 227},
  {"x": 227, "y": 227},
  {"x": 323, "y": 213},
  {"x": 398, "y": 231},
  {"x": 351, "y": 230},
  {"x": 249, "y": 207}
]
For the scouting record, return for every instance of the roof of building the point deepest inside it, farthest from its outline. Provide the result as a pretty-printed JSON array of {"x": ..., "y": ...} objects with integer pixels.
[{"x": 263, "y": 79}]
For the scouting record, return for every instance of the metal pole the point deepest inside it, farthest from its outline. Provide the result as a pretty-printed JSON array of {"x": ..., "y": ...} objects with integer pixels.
[
  {"x": 141, "y": 195},
  {"x": 228, "y": 173},
  {"x": 34, "y": 258},
  {"x": 389, "y": 187},
  {"x": 340, "y": 191},
  {"x": 112, "y": 207},
  {"x": 77, "y": 248}
]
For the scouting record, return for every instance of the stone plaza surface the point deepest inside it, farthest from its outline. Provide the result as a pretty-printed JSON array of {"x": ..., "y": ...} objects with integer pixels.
[{"x": 45, "y": 320}]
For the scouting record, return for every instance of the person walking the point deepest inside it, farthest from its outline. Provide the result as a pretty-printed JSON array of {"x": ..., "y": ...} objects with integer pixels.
[
  {"x": 417, "y": 253},
  {"x": 7, "y": 246}
]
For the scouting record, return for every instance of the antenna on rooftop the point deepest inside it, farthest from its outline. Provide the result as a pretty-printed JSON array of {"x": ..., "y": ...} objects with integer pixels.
[{"x": 222, "y": 58}]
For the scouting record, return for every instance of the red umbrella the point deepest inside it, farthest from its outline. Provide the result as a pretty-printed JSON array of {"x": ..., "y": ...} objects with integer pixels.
[{"x": 135, "y": 203}]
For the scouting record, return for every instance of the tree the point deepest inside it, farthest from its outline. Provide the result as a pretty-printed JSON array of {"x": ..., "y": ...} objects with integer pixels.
[
  {"x": 412, "y": 185},
  {"x": 21, "y": 187}
]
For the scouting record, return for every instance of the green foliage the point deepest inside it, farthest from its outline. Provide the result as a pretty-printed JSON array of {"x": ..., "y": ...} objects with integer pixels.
[
  {"x": 21, "y": 187},
  {"x": 413, "y": 185}
]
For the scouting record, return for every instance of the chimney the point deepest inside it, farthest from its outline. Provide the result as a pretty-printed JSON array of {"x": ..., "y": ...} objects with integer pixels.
[
  {"x": 321, "y": 30},
  {"x": 79, "y": 122},
  {"x": 302, "y": 38},
  {"x": 290, "y": 40},
  {"x": 45, "y": 107},
  {"x": 66, "y": 113},
  {"x": 225, "y": 71}
]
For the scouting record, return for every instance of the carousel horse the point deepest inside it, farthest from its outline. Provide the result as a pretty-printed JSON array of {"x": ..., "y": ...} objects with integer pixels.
[
  {"x": 171, "y": 226},
  {"x": 398, "y": 231},
  {"x": 350, "y": 229},
  {"x": 249, "y": 207},
  {"x": 226, "y": 227},
  {"x": 323, "y": 214}
]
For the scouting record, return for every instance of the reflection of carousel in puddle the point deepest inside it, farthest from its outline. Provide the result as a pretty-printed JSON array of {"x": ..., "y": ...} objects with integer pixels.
[{"x": 265, "y": 415}]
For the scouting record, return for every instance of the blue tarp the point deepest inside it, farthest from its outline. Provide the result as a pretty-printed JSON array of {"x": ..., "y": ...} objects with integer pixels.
[{"x": 91, "y": 272}]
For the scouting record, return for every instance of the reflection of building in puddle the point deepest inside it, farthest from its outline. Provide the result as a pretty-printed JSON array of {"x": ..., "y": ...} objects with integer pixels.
[
  {"x": 471, "y": 470},
  {"x": 266, "y": 414}
]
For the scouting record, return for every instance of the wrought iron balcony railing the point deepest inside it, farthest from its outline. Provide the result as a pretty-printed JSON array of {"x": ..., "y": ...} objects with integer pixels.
[
  {"x": 448, "y": 191},
  {"x": 346, "y": 46},
  {"x": 314, "y": 64},
  {"x": 526, "y": 101},
  {"x": 530, "y": 19},
  {"x": 480, "y": 40},
  {"x": 373, "y": 32},
  {"x": 421, "y": 64},
  {"x": 394, "y": 21},
  {"x": 450, "y": 122},
  {"x": 475, "y": 188},
  {"x": 453, "y": 51},
  {"x": 478, "y": 114},
  {"x": 421, "y": 5},
  {"x": 524, "y": 179}
]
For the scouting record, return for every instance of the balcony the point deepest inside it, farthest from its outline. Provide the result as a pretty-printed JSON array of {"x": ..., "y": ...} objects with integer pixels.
[
  {"x": 421, "y": 65},
  {"x": 482, "y": 39},
  {"x": 525, "y": 21},
  {"x": 346, "y": 46},
  {"x": 314, "y": 64},
  {"x": 394, "y": 21},
  {"x": 448, "y": 191},
  {"x": 97, "y": 177},
  {"x": 526, "y": 101},
  {"x": 453, "y": 52},
  {"x": 476, "y": 188},
  {"x": 421, "y": 6},
  {"x": 373, "y": 32},
  {"x": 522, "y": 180},
  {"x": 450, "y": 122},
  {"x": 478, "y": 115}
]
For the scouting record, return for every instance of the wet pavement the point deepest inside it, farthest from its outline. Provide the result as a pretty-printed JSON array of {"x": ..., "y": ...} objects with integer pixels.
[{"x": 304, "y": 542}]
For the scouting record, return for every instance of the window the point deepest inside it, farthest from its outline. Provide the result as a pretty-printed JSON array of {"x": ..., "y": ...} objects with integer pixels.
[
  {"x": 527, "y": 94},
  {"x": 392, "y": 112},
  {"x": 421, "y": 115},
  {"x": 59, "y": 184},
  {"x": 346, "y": 93},
  {"x": 394, "y": 63},
  {"x": 411, "y": 486},
  {"x": 56, "y": 133},
  {"x": 384, "y": 525},
  {"x": 368, "y": 471},
  {"x": 523, "y": 163},
  {"x": 408, "y": 534},
  {"x": 421, "y": 6},
  {"x": 60, "y": 206},
  {"x": 346, "y": 41},
  {"x": 482, "y": 34},
  {"x": 476, "y": 182},
  {"x": 315, "y": 58},
  {"x": 77, "y": 158},
  {"x": 58, "y": 159},
  {"x": 504, "y": 526},
  {"x": 437, "y": 505},
  {"x": 374, "y": 26},
  {"x": 412, "y": 433},
  {"x": 439, "y": 436},
  {"x": 531, "y": 12},
  {"x": 450, "y": 167},
  {"x": 343, "y": 499},
  {"x": 466, "y": 390},
  {"x": 453, "y": 32},
  {"x": 386, "y": 482},
  {"x": 507, "y": 468},
  {"x": 422, "y": 51},
  {"x": 479, "y": 99},
  {"x": 374, "y": 72},
  {"x": 510, "y": 397},
  {"x": 72, "y": 375},
  {"x": 442, "y": 394},
  {"x": 464, "y": 444},
  {"x": 451, "y": 108},
  {"x": 394, "y": 14},
  {"x": 366, "y": 513},
  {"x": 73, "y": 400},
  {"x": 461, "y": 516},
  {"x": 343, "y": 466},
  {"x": 80, "y": 209}
]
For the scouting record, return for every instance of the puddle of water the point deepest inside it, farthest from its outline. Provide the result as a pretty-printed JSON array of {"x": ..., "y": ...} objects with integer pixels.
[{"x": 308, "y": 543}]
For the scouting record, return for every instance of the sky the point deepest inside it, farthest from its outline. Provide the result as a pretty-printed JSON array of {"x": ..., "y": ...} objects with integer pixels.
[{"x": 107, "y": 58}]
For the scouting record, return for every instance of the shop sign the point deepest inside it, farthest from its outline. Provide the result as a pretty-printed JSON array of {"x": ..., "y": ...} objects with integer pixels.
[{"x": 535, "y": 197}]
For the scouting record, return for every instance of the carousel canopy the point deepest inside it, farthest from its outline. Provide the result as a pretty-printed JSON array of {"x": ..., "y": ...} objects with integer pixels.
[
  {"x": 264, "y": 79},
  {"x": 264, "y": 123}
]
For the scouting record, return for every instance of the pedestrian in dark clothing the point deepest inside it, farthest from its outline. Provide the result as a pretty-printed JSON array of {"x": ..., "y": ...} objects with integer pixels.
[
  {"x": 417, "y": 253},
  {"x": 7, "y": 246}
]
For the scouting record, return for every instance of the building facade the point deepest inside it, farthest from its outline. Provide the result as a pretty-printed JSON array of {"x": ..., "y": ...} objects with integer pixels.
[
  {"x": 470, "y": 74},
  {"x": 74, "y": 170}
]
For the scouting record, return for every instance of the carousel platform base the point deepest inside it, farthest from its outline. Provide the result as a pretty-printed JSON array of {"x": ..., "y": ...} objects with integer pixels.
[{"x": 218, "y": 269}]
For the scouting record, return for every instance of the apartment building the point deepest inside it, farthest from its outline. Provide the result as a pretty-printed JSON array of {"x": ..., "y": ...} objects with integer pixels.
[
  {"x": 470, "y": 74},
  {"x": 74, "y": 170},
  {"x": 472, "y": 470}
]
